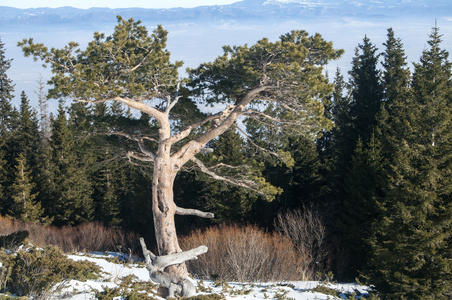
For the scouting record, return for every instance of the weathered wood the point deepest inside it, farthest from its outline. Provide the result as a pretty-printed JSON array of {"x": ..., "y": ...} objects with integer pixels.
[
  {"x": 177, "y": 286},
  {"x": 193, "y": 212}
]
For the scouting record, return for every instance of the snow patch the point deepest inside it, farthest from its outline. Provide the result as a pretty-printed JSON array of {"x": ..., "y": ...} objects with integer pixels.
[{"x": 113, "y": 273}]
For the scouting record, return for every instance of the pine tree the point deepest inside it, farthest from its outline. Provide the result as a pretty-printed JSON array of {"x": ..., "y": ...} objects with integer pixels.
[
  {"x": 70, "y": 186},
  {"x": 25, "y": 206},
  {"x": 411, "y": 249},
  {"x": 287, "y": 75}
]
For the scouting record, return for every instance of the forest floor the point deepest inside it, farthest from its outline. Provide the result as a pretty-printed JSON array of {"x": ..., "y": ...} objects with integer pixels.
[{"x": 119, "y": 280}]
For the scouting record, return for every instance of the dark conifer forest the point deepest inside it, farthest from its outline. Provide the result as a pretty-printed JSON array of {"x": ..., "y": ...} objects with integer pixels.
[{"x": 378, "y": 174}]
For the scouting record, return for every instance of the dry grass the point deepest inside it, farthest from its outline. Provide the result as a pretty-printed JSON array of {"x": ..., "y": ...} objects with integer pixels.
[
  {"x": 243, "y": 254},
  {"x": 92, "y": 236}
]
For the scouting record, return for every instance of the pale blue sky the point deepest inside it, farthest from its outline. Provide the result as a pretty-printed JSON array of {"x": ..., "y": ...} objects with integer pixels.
[{"x": 84, "y": 4}]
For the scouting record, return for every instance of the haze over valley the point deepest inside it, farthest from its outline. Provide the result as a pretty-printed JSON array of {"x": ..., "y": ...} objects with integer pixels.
[{"x": 196, "y": 35}]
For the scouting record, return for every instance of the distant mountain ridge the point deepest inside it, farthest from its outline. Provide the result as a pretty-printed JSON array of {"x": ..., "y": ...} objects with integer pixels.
[{"x": 247, "y": 9}]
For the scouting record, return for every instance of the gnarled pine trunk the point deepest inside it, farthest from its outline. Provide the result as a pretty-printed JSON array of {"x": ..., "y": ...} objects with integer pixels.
[{"x": 164, "y": 209}]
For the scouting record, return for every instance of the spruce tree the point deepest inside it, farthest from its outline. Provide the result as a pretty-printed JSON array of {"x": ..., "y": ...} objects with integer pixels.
[
  {"x": 303, "y": 180},
  {"x": 396, "y": 85},
  {"x": 24, "y": 144},
  {"x": 27, "y": 137},
  {"x": 357, "y": 119},
  {"x": 225, "y": 201},
  {"x": 25, "y": 207},
  {"x": 44, "y": 180},
  {"x": 396, "y": 74},
  {"x": 107, "y": 188},
  {"x": 44, "y": 121},
  {"x": 366, "y": 91},
  {"x": 2, "y": 172},
  {"x": 360, "y": 209},
  {"x": 8, "y": 125},
  {"x": 6, "y": 94},
  {"x": 411, "y": 248},
  {"x": 70, "y": 186},
  {"x": 335, "y": 150}
]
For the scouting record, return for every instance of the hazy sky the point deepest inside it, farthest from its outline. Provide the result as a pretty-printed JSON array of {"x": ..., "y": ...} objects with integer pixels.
[{"x": 112, "y": 3}]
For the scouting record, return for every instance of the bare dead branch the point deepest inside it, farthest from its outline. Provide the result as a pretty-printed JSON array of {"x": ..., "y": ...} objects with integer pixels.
[
  {"x": 186, "y": 152},
  {"x": 145, "y": 150},
  {"x": 206, "y": 150},
  {"x": 147, "y": 153},
  {"x": 248, "y": 184},
  {"x": 222, "y": 165},
  {"x": 177, "y": 287},
  {"x": 138, "y": 156},
  {"x": 185, "y": 132},
  {"x": 170, "y": 104},
  {"x": 250, "y": 96},
  {"x": 136, "y": 104},
  {"x": 256, "y": 145},
  {"x": 193, "y": 212}
]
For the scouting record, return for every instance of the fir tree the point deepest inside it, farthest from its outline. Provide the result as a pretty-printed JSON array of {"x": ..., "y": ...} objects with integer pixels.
[
  {"x": 44, "y": 180},
  {"x": 335, "y": 151},
  {"x": 44, "y": 122},
  {"x": 107, "y": 188},
  {"x": 25, "y": 206},
  {"x": 2, "y": 172},
  {"x": 397, "y": 93},
  {"x": 70, "y": 186},
  {"x": 6, "y": 94},
  {"x": 411, "y": 249},
  {"x": 8, "y": 125},
  {"x": 396, "y": 74},
  {"x": 366, "y": 91},
  {"x": 301, "y": 182},
  {"x": 360, "y": 210},
  {"x": 225, "y": 201},
  {"x": 356, "y": 118},
  {"x": 26, "y": 138}
]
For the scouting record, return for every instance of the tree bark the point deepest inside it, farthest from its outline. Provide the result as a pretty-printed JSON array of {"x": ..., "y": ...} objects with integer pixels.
[{"x": 164, "y": 209}]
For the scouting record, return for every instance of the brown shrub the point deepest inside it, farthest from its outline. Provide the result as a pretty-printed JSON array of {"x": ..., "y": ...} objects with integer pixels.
[
  {"x": 243, "y": 254},
  {"x": 91, "y": 236},
  {"x": 307, "y": 230}
]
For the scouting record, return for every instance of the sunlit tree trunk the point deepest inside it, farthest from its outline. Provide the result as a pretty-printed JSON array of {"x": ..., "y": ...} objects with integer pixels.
[{"x": 164, "y": 209}]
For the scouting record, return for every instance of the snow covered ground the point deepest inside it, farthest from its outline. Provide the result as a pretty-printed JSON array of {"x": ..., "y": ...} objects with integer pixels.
[{"x": 115, "y": 273}]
